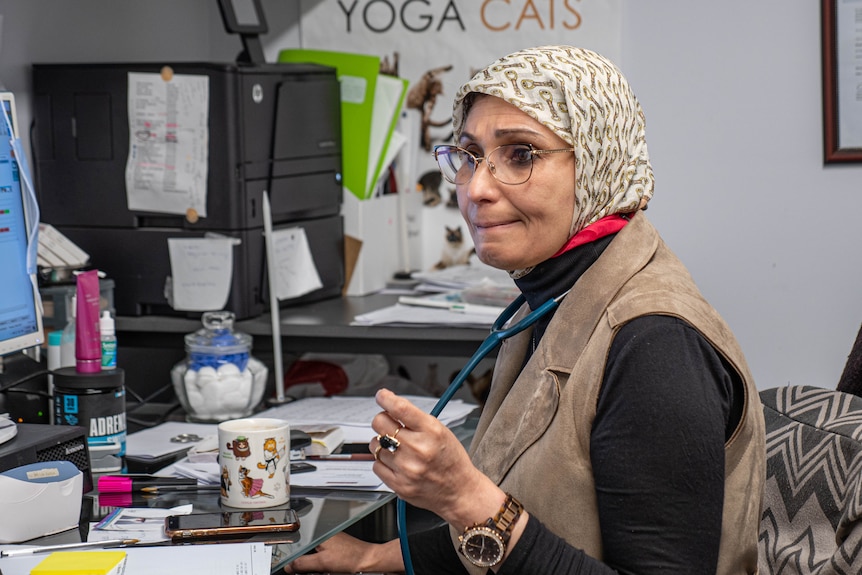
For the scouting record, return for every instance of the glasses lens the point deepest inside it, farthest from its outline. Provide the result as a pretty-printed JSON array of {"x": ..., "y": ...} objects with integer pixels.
[
  {"x": 456, "y": 165},
  {"x": 512, "y": 164}
]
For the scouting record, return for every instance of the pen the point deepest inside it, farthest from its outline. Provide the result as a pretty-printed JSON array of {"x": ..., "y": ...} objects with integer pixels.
[
  {"x": 173, "y": 488},
  {"x": 127, "y": 483},
  {"x": 342, "y": 457},
  {"x": 73, "y": 546},
  {"x": 474, "y": 308}
]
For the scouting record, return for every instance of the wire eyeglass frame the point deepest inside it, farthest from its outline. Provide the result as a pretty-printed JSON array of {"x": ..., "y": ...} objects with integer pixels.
[{"x": 442, "y": 154}]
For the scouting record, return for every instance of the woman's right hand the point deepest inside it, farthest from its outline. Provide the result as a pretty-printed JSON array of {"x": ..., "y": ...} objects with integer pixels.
[{"x": 345, "y": 554}]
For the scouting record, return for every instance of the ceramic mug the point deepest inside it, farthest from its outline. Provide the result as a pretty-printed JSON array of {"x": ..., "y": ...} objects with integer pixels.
[{"x": 254, "y": 462}]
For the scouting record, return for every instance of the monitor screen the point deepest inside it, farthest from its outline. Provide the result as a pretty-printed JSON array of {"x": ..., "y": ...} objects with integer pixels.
[
  {"x": 243, "y": 16},
  {"x": 20, "y": 306}
]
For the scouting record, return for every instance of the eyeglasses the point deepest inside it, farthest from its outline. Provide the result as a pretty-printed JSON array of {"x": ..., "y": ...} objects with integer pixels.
[{"x": 510, "y": 164}]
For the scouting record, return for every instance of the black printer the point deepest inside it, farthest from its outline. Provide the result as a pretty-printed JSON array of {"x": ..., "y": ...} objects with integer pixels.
[{"x": 271, "y": 127}]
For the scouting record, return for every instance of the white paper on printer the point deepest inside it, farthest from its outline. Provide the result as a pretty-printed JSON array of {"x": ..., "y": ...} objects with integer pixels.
[
  {"x": 296, "y": 273},
  {"x": 201, "y": 272},
  {"x": 166, "y": 170}
]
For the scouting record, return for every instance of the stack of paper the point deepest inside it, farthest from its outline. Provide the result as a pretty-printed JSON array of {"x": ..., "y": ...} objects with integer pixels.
[
  {"x": 325, "y": 438},
  {"x": 56, "y": 251},
  {"x": 354, "y": 414},
  {"x": 464, "y": 276},
  {"x": 245, "y": 558},
  {"x": 423, "y": 316},
  {"x": 169, "y": 437}
]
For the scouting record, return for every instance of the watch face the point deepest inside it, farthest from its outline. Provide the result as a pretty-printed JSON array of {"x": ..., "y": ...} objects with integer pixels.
[{"x": 483, "y": 547}]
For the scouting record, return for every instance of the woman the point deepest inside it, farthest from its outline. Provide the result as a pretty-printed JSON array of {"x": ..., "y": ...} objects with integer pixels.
[{"x": 626, "y": 427}]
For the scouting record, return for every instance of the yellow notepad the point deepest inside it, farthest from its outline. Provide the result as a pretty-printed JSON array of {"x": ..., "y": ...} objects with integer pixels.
[{"x": 82, "y": 563}]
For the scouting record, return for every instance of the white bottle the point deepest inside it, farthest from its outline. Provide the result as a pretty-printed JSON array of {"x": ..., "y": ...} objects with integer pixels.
[
  {"x": 67, "y": 341},
  {"x": 109, "y": 341}
]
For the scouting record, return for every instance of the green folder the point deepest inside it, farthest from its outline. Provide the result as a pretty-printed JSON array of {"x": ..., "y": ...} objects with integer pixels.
[{"x": 370, "y": 106}]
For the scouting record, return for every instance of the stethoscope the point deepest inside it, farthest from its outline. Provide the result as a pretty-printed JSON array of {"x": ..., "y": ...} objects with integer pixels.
[{"x": 498, "y": 333}]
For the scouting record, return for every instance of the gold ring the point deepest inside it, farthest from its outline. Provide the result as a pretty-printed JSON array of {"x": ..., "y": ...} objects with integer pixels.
[
  {"x": 396, "y": 433},
  {"x": 377, "y": 452}
]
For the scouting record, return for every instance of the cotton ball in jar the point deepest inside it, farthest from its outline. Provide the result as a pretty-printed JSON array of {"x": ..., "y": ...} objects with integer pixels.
[
  {"x": 206, "y": 384},
  {"x": 233, "y": 395}
]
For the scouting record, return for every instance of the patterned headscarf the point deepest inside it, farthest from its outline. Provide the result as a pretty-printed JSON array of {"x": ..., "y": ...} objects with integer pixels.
[{"x": 585, "y": 100}]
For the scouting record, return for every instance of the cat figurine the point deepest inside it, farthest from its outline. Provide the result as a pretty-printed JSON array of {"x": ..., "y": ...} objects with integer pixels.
[
  {"x": 480, "y": 385},
  {"x": 453, "y": 199},
  {"x": 455, "y": 251},
  {"x": 429, "y": 185}
]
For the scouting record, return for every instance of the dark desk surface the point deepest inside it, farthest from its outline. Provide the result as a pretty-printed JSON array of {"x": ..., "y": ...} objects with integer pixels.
[{"x": 323, "y": 326}]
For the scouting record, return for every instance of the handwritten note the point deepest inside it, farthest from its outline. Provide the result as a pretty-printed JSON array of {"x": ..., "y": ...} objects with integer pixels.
[
  {"x": 295, "y": 272},
  {"x": 166, "y": 170},
  {"x": 201, "y": 272}
]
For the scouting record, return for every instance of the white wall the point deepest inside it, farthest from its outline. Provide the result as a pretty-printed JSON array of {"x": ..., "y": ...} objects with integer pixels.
[
  {"x": 54, "y": 31},
  {"x": 732, "y": 95}
]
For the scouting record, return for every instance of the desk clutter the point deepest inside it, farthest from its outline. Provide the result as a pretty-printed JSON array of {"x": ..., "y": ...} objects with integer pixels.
[
  {"x": 331, "y": 458},
  {"x": 336, "y": 443},
  {"x": 247, "y": 558},
  {"x": 468, "y": 295}
]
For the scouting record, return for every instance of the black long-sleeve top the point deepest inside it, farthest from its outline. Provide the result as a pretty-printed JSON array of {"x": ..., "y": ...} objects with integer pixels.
[{"x": 667, "y": 405}]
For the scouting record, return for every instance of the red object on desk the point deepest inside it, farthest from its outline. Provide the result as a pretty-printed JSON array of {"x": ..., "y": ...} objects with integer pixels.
[{"x": 332, "y": 377}]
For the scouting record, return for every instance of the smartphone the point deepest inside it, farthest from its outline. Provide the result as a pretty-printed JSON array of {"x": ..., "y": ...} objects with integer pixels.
[
  {"x": 200, "y": 526},
  {"x": 301, "y": 467}
]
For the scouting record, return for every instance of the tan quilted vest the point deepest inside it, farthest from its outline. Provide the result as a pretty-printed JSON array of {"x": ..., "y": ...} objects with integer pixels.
[{"x": 533, "y": 437}]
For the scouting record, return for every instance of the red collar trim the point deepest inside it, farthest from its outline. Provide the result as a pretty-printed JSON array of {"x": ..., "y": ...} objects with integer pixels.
[{"x": 604, "y": 227}]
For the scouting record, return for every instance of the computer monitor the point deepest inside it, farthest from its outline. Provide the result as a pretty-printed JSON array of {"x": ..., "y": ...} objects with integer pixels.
[
  {"x": 246, "y": 18},
  {"x": 20, "y": 304}
]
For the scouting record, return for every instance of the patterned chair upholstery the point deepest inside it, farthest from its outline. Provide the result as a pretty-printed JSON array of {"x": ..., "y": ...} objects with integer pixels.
[{"x": 812, "y": 499}]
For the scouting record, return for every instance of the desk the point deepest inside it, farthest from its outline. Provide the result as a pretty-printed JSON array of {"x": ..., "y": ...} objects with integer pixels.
[
  {"x": 322, "y": 326},
  {"x": 322, "y": 513},
  {"x": 149, "y": 345}
]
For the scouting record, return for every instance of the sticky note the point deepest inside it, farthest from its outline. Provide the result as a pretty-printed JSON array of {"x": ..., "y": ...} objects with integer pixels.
[{"x": 82, "y": 563}]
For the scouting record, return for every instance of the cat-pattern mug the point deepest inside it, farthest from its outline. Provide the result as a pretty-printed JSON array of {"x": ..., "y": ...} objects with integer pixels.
[{"x": 254, "y": 462}]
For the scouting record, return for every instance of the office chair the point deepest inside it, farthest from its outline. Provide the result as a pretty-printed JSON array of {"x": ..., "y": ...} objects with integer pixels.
[
  {"x": 851, "y": 377},
  {"x": 812, "y": 501}
]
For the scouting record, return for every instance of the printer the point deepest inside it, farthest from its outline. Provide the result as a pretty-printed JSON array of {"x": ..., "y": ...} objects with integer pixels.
[{"x": 273, "y": 128}]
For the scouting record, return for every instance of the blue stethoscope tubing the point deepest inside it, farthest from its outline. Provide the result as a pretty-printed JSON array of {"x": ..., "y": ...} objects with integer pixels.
[{"x": 498, "y": 333}]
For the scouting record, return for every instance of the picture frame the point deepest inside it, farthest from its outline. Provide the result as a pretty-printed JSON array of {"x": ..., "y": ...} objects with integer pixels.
[{"x": 842, "y": 93}]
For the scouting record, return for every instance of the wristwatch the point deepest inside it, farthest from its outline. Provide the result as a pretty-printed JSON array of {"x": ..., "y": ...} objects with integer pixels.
[{"x": 484, "y": 544}]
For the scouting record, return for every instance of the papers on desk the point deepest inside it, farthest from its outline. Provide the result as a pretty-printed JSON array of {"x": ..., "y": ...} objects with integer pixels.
[
  {"x": 352, "y": 414},
  {"x": 460, "y": 296},
  {"x": 418, "y": 316},
  {"x": 357, "y": 412},
  {"x": 169, "y": 437},
  {"x": 145, "y": 524},
  {"x": 244, "y": 558},
  {"x": 341, "y": 475},
  {"x": 465, "y": 276}
]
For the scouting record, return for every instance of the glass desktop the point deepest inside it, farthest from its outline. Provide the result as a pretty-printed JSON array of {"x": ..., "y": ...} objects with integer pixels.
[{"x": 322, "y": 513}]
